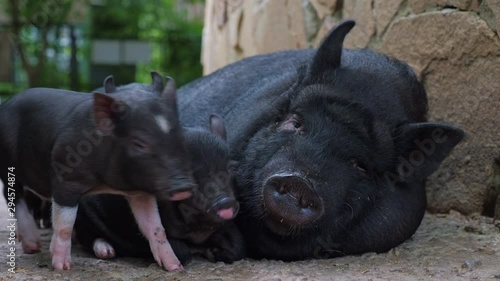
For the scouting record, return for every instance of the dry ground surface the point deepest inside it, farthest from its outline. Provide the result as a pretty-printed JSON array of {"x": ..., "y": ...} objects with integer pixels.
[{"x": 445, "y": 247}]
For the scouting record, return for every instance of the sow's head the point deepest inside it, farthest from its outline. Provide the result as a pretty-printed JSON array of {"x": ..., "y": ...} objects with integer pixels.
[{"x": 341, "y": 164}]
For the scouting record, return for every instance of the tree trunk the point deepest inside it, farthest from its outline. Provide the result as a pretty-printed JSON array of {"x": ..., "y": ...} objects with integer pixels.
[
  {"x": 33, "y": 71},
  {"x": 73, "y": 64}
]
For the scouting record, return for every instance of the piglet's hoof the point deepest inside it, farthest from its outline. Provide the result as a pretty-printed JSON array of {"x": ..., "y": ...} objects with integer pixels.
[
  {"x": 61, "y": 263},
  {"x": 174, "y": 267},
  {"x": 31, "y": 247},
  {"x": 169, "y": 265},
  {"x": 60, "y": 250},
  {"x": 165, "y": 257},
  {"x": 103, "y": 250}
]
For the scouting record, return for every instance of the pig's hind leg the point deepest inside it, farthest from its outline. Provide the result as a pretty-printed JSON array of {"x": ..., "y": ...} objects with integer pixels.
[
  {"x": 27, "y": 230},
  {"x": 145, "y": 210}
]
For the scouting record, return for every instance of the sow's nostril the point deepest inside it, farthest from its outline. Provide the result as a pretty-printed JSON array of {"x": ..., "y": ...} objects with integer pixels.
[
  {"x": 225, "y": 208},
  {"x": 291, "y": 199}
]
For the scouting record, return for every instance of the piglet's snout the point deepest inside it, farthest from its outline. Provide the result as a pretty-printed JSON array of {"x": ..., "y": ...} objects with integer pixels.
[{"x": 225, "y": 208}]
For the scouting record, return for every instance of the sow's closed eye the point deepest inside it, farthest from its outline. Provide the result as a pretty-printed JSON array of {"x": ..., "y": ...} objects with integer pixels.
[
  {"x": 359, "y": 166},
  {"x": 292, "y": 123}
]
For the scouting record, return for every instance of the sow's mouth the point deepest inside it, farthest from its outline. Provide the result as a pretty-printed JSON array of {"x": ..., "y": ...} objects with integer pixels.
[{"x": 290, "y": 202}]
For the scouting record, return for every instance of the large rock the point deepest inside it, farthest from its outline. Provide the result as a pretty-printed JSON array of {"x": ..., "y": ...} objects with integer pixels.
[
  {"x": 457, "y": 37},
  {"x": 419, "y": 6},
  {"x": 494, "y": 6},
  {"x": 361, "y": 11},
  {"x": 384, "y": 11},
  {"x": 460, "y": 67},
  {"x": 237, "y": 29},
  {"x": 324, "y": 7},
  {"x": 467, "y": 95}
]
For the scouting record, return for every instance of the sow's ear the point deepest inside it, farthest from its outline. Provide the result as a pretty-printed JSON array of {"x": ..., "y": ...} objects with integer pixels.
[
  {"x": 217, "y": 126},
  {"x": 329, "y": 53},
  {"x": 424, "y": 146},
  {"x": 156, "y": 82},
  {"x": 109, "y": 84}
]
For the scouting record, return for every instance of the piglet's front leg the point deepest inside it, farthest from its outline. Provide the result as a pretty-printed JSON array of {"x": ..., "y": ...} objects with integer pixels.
[
  {"x": 145, "y": 210},
  {"x": 63, "y": 219}
]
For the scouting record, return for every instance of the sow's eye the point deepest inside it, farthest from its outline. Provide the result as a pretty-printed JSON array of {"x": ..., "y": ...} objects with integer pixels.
[
  {"x": 358, "y": 165},
  {"x": 292, "y": 123},
  {"x": 138, "y": 147}
]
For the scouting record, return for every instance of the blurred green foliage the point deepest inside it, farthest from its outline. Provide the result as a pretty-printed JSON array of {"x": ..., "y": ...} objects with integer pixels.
[
  {"x": 35, "y": 28},
  {"x": 178, "y": 51},
  {"x": 6, "y": 90},
  {"x": 175, "y": 38}
]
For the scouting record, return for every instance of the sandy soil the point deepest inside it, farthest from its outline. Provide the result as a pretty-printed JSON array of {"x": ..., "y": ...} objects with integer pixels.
[{"x": 445, "y": 247}]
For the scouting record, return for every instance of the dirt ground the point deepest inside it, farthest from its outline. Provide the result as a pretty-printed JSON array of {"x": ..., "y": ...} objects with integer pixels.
[{"x": 445, "y": 247}]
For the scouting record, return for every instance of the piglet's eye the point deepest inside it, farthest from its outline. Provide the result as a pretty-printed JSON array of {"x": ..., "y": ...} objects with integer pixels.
[
  {"x": 138, "y": 146},
  {"x": 359, "y": 166}
]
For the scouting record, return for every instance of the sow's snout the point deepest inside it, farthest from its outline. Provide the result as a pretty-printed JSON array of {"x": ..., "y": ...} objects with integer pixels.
[
  {"x": 224, "y": 208},
  {"x": 290, "y": 201}
]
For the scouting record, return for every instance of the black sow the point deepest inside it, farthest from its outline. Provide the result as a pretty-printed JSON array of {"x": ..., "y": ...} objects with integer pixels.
[{"x": 334, "y": 147}]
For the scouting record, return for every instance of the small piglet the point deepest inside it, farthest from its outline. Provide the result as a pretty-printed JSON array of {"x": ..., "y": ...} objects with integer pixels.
[
  {"x": 39, "y": 208},
  {"x": 65, "y": 144},
  {"x": 201, "y": 222}
]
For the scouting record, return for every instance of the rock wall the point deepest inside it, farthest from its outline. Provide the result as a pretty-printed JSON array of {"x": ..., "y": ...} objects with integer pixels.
[{"x": 453, "y": 45}]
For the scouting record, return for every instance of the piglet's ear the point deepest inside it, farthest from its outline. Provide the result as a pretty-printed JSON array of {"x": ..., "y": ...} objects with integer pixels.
[
  {"x": 424, "y": 146},
  {"x": 217, "y": 126},
  {"x": 103, "y": 112},
  {"x": 329, "y": 53},
  {"x": 169, "y": 91},
  {"x": 109, "y": 84},
  {"x": 156, "y": 82}
]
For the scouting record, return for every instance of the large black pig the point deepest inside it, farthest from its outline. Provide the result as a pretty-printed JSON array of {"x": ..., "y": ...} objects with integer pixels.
[
  {"x": 201, "y": 222},
  {"x": 64, "y": 144},
  {"x": 334, "y": 147}
]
